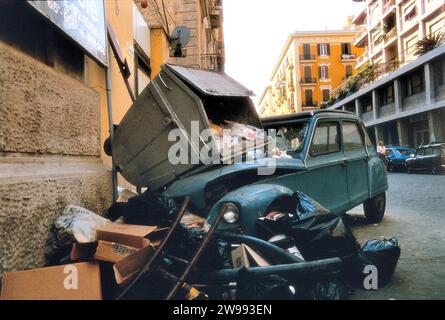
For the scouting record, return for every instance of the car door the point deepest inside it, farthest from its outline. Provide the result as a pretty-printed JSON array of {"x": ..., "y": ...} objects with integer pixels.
[
  {"x": 325, "y": 176},
  {"x": 356, "y": 158},
  {"x": 419, "y": 159}
]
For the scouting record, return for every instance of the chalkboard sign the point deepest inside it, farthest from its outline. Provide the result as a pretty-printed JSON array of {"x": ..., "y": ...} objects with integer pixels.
[{"x": 82, "y": 20}]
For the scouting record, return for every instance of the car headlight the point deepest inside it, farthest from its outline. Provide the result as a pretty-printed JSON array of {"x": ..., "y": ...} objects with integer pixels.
[{"x": 231, "y": 214}]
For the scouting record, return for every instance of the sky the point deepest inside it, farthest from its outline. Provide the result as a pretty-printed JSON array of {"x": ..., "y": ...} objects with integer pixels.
[{"x": 255, "y": 32}]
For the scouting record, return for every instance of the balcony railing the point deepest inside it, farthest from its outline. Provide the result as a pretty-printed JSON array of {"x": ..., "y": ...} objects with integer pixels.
[
  {"x": 348, "y": 56},
  {"x": 307, "y": 57},
  {"x": 211, "y": 62},
  {"x": 311, "y": 104},
  {"x": 307, "y": 80},
  {"x": 388, "y": 4},
  {"x": 390, "y": 34}
]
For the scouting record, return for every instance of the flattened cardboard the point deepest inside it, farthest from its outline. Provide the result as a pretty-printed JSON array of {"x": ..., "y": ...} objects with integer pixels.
[
  {"x": 245, "y": 256},
  {"x": 50, "y": 283},
  {"x": 112, "y": 251}
]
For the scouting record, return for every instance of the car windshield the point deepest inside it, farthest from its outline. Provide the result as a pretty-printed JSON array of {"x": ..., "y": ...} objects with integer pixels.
[
  {"x": 290, "y": 139},
  {"x": 405, "y": 152},
  {"x": 437, "y": 151}
]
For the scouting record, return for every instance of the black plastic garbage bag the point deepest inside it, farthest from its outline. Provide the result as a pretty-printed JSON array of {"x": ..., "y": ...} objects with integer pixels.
[
  {"x": 307, "y": 206},
  {"x": 148, "y": 208},
  {"x": 383, "y": 254},
  {"x": 315, "y": 231},
  {"x": 273, "y": 287}
]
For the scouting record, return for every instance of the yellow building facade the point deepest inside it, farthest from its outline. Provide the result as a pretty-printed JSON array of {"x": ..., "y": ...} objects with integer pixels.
[{"x": 311, "y": 64}]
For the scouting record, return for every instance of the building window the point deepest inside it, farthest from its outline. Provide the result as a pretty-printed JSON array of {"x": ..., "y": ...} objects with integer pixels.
[
  {"x": 410, "y": 12},
  {"x": 325, "y": 95},
  {"x": 308, "y": 97},
  {"x": 387, "y": 95},
  {"x": 324, "y": 49},
  {"x": 348, "y": 70},
  {"x": 323, "y": 72},
  {"x": 346, "y": 49},
  {"x": 413, "y": 84},
  {"x": 307, "y": 74}
]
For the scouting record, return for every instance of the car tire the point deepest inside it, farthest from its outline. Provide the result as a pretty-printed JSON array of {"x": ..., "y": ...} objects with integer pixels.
[
  {"x": 434, "y": 170},
  {"x": 390, "y": 167},
  {"x": 375, "y": 208}
]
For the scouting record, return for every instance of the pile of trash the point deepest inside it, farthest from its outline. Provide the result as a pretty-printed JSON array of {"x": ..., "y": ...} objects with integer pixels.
[
  {"x": 149, "y": 248},
  {"x": 235, "y": 139}
]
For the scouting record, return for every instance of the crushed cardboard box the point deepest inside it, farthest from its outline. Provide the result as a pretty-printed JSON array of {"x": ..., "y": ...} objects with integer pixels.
[{"x": 245, "y": 256}]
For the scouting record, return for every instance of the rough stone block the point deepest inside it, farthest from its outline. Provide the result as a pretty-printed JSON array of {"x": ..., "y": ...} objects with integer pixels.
[{"x": 44, "y": 111}]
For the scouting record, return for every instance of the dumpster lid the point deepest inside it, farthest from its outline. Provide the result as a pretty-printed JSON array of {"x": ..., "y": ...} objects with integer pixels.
[{"x": 210, "y": 82}]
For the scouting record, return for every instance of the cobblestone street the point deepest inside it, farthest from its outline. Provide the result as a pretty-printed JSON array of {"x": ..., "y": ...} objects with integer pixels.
[{"x": 415, "y": 215}]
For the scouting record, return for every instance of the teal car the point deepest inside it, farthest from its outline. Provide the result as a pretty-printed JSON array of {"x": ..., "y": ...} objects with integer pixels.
[{"x": 324, "y": 154}]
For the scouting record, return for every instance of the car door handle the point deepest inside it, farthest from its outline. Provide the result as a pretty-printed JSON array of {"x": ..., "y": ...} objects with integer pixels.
[{"x": 343, "y": 163}]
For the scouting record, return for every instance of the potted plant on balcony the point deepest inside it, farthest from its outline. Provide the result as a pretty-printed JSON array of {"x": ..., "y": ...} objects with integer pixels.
[{"x": 429, "y": 43}]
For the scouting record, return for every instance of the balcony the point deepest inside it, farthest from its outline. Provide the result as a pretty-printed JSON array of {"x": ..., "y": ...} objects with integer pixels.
[
  {"x": 308, "y": 80},
  {"x": 348, "y": 57},
  {"x": 307, "y": 57},
  {"x": 388, "y": 5},
  {"x": 361, "y": 40},
  {"x": 310, "y": 104},
  {"x": 389, "y": 35},
  {"x": 211, "y": 61}
]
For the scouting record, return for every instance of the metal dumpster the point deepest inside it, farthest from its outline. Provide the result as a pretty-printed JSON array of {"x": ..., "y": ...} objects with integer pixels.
[{"x": 173, "y": 99}]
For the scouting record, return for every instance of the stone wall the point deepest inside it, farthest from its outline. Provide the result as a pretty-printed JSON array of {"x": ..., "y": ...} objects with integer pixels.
[{"x": 49, "y": 155}]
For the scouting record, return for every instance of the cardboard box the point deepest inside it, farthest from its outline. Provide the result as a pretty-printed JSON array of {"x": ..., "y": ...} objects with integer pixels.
[
  {"x": 132, "y": 235},
  {"x": 128, "y": 267},
  {"x": 77, "y": 281},
  {"x": 83, "y": 251},
  {"x": 144, "y": 238},
  {"x": 245, "y": 256},
  {"x": 112, "y": 251}
]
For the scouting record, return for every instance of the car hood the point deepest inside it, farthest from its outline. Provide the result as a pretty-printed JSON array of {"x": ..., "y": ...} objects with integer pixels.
[{"x": 194, "y": 185}]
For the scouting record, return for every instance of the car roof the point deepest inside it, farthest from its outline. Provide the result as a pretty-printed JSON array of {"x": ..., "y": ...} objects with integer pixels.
[{"x": 306, "y": 115}]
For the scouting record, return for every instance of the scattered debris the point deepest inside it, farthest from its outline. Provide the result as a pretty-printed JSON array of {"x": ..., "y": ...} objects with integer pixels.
[{"x": 162, "y": 252}]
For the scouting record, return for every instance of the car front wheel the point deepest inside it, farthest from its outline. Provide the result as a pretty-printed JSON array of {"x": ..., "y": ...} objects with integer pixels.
[{"x": 375, "y": 208}]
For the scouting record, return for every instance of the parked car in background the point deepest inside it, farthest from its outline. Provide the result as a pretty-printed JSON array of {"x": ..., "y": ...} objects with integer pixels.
[
  {"x": 397, "y": 156},
  {"x": 429, "y": 157}
]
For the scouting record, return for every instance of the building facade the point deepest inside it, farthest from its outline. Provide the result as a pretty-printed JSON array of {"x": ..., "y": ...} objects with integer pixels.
[
  {"x": 204, "y": 19},
  {"x": 403, "y": 102},
  {"x": 54, "y": 109},
  {"x": 311, "y": 64},
  {"x": 405, "y": 107},
  {"x": 391, "y": 29}
]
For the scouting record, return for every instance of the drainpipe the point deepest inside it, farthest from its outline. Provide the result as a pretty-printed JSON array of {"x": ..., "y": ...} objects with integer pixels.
[{"x": 111, "y": 131}]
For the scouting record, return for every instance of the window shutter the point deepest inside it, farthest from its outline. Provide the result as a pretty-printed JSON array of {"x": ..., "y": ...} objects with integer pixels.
[
  {"x": 318, "y": 49},
  {"x": 319, "y": 72},
  {"x": 327, "y": 72},
  {"x": 329, "y": 49}
]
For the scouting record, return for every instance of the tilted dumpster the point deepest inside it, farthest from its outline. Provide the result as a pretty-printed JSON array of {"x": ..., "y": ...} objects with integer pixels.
[{"x": 172, "y": 100}]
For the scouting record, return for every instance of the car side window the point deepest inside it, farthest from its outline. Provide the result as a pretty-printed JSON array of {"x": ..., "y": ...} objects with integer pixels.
[
  {"x": 352, "y": 139},
  {"x": 326, "y": 139}
]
